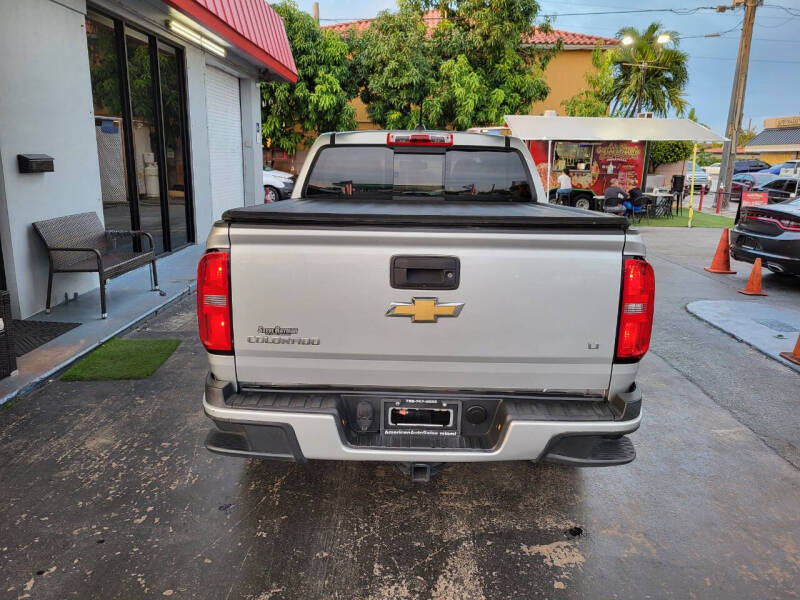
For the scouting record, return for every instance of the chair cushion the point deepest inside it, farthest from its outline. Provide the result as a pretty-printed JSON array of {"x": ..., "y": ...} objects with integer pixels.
[{"x": 114, "y": 263}]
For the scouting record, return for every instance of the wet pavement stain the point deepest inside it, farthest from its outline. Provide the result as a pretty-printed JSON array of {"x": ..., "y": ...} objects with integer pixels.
[{"x": 108, "y": 492}]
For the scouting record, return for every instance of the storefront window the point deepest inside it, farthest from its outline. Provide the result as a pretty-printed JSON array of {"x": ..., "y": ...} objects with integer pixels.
[
  {"x": 109, "y": 125},
  {"x": 142, "y": 135}
]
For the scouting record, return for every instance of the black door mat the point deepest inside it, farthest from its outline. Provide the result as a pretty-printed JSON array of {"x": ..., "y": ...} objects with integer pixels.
[{"x": 29, "y": 335}]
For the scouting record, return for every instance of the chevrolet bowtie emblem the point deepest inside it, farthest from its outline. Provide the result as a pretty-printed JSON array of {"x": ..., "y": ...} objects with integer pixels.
[{"x": 424, "y": 310}]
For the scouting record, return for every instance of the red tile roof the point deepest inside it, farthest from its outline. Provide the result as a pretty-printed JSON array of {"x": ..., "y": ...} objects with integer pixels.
[
  {"x": 536, "y": 36},
  {"x": 252, "y": 26},
  {"x": 568, "y": 38}
]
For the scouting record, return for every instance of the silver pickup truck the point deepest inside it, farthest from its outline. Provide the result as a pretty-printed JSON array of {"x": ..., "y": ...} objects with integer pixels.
[{"x": 417, "y": 301}]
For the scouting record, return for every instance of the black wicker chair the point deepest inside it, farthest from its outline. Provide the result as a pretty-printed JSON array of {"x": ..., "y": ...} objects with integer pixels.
[{"x": 80, "y": 244}]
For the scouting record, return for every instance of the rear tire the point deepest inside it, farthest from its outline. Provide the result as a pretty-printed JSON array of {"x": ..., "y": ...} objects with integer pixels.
[{"x": 583, "y": 202}]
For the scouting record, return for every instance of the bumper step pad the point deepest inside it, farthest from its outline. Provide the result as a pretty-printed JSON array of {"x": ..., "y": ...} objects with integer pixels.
[{"x": 591, "y": 451}]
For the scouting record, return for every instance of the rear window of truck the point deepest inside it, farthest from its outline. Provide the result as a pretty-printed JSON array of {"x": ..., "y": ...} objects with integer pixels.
[{"x": 374, "y": 172}]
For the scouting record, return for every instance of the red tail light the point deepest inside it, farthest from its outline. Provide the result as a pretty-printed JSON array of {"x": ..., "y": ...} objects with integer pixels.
[
  {"x": 419, "y": 139},
  {"x": 214, "y": 302},
  {"x": 788, "y": 222},
  {"x": 636, "y": 310}
]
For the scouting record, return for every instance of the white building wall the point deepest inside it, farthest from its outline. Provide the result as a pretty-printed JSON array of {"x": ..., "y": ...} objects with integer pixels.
[
  {"x": 198, "y": 141},
  {"x": 253, "y": 158},
  {"x": 46, "y": 108},
  {"x": 197, "y": 65}
]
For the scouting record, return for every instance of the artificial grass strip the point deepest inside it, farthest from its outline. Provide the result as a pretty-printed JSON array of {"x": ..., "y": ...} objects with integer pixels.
[
  {"x": 698, "y": 220},
  {"x": 122, "y": 359}
]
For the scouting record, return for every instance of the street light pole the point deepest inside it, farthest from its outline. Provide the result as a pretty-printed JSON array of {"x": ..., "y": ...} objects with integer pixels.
[
  {"x": 644, "y": 65},
  {"x": 737, "y": 100},
  {"x": 641, "y": 89}
]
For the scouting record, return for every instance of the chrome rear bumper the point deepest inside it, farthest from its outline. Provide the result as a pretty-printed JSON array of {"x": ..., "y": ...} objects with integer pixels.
[{"x": 300, "y": 426}]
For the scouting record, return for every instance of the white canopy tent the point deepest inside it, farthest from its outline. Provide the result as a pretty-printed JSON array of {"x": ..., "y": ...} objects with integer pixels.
[{"x": 608, "y": 129}]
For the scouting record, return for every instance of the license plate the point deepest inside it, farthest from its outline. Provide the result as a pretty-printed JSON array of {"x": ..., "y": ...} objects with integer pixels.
[{"x": 418, "y": 416}]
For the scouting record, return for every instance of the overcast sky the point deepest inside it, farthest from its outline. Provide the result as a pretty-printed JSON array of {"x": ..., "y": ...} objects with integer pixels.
[{"x": 773, "y": 82}]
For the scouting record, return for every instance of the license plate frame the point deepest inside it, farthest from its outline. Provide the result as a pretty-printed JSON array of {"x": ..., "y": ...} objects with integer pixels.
[{"x": 390, "y": 407}]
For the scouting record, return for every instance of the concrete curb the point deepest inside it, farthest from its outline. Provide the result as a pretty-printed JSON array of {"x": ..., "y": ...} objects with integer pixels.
[
  {"x": 721, "y": 314},
  {"x": 42, "y": 378}
]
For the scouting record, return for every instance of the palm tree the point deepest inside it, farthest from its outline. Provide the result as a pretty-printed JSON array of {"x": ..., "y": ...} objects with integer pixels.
[{"x": 650, "y": 73}]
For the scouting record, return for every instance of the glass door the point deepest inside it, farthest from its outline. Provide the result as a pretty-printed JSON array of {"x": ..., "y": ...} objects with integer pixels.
[
  {"x": 145, "y": 136},
  {"x": 140, "y": 119},
  {"x": 172, "y": 104}
]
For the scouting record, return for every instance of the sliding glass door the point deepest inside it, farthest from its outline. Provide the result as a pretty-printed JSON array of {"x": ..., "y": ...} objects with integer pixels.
[
  {"x": 172, "y": 109},
  {"x": 140, "y": 122}
]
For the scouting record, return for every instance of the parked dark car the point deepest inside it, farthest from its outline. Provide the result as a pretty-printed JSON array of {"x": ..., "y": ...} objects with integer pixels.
[
  {"x": 771, "y": 233},
  {"x": 744, "y": 182},
  {"x": 749, "y": 165},
  {"x": 779, "y": 189},
  {"x": 776, "y": 169}
]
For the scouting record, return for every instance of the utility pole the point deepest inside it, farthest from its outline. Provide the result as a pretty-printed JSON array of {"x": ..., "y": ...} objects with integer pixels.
[
  {"x": 315, "y": 12},
  {"x": 737, "y": 97}
]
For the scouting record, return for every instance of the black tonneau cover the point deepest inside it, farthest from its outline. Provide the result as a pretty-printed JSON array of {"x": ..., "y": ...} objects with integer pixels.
[{"x": 416, "y": 213}]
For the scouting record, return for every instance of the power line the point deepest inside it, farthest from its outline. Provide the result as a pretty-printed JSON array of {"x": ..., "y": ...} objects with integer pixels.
[
  {"x": 676, "y": 11},
  {"x": 759, "y": 60},
  {"x": 792, "y": 11},
  {"x": 710, "y": 35}
]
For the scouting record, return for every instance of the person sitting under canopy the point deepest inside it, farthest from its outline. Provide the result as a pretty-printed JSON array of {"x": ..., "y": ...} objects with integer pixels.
[{"x": 614, "y": 197}]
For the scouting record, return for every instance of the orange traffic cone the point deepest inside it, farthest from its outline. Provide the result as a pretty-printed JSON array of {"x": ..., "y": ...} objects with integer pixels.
[
  {"x": 722, "y": 257},
  {"x": 753, "y": 287},
  {"x": 793, "y": 357}
]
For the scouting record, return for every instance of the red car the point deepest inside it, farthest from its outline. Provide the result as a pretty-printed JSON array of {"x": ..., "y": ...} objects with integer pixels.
[{"x": 744, "y": 182}]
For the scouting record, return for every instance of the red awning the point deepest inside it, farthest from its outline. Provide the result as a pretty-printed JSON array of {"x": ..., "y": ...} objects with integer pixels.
[{"x": 252, "y": 26}]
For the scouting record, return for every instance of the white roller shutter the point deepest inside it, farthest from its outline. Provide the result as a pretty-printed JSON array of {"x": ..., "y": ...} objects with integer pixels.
[{"x": 224, "y": 141}]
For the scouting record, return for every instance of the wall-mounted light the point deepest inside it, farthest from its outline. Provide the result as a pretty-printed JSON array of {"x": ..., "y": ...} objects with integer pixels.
[{"x": 197, "y": 38}]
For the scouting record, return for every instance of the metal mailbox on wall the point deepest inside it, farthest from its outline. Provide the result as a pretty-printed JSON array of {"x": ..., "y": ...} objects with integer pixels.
[{"x": 35, "y": 163}]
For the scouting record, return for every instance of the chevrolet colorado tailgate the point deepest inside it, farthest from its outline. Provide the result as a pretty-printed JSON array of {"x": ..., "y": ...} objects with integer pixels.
[{"x": 537, "y": 303}]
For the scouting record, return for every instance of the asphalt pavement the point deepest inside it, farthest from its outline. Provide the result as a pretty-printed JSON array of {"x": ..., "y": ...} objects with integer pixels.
[
  {"x": 760, "y": 392},
  {"x": 108, "y": 492}
]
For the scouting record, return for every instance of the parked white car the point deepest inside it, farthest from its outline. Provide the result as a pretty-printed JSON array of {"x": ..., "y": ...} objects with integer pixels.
[
  {"x": 278, "y": 185},
  {"x": 701, "y": 179}
]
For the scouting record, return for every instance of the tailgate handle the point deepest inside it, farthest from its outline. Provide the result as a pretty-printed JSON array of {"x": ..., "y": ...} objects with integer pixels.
[{"x": 425, "y": 272}]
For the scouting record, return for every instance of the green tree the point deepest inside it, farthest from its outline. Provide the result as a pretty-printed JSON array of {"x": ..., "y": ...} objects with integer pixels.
[
  {"x": 655, "y": 73},
  {"x": 706, "y": 159},
  {"x": 593, "y": 100},
  {"x": 471, "y": 68},
  {"x": 664, "y": 153},
  {"x": 293, "y": 114},
  {"x": 746, "y": 133}
]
